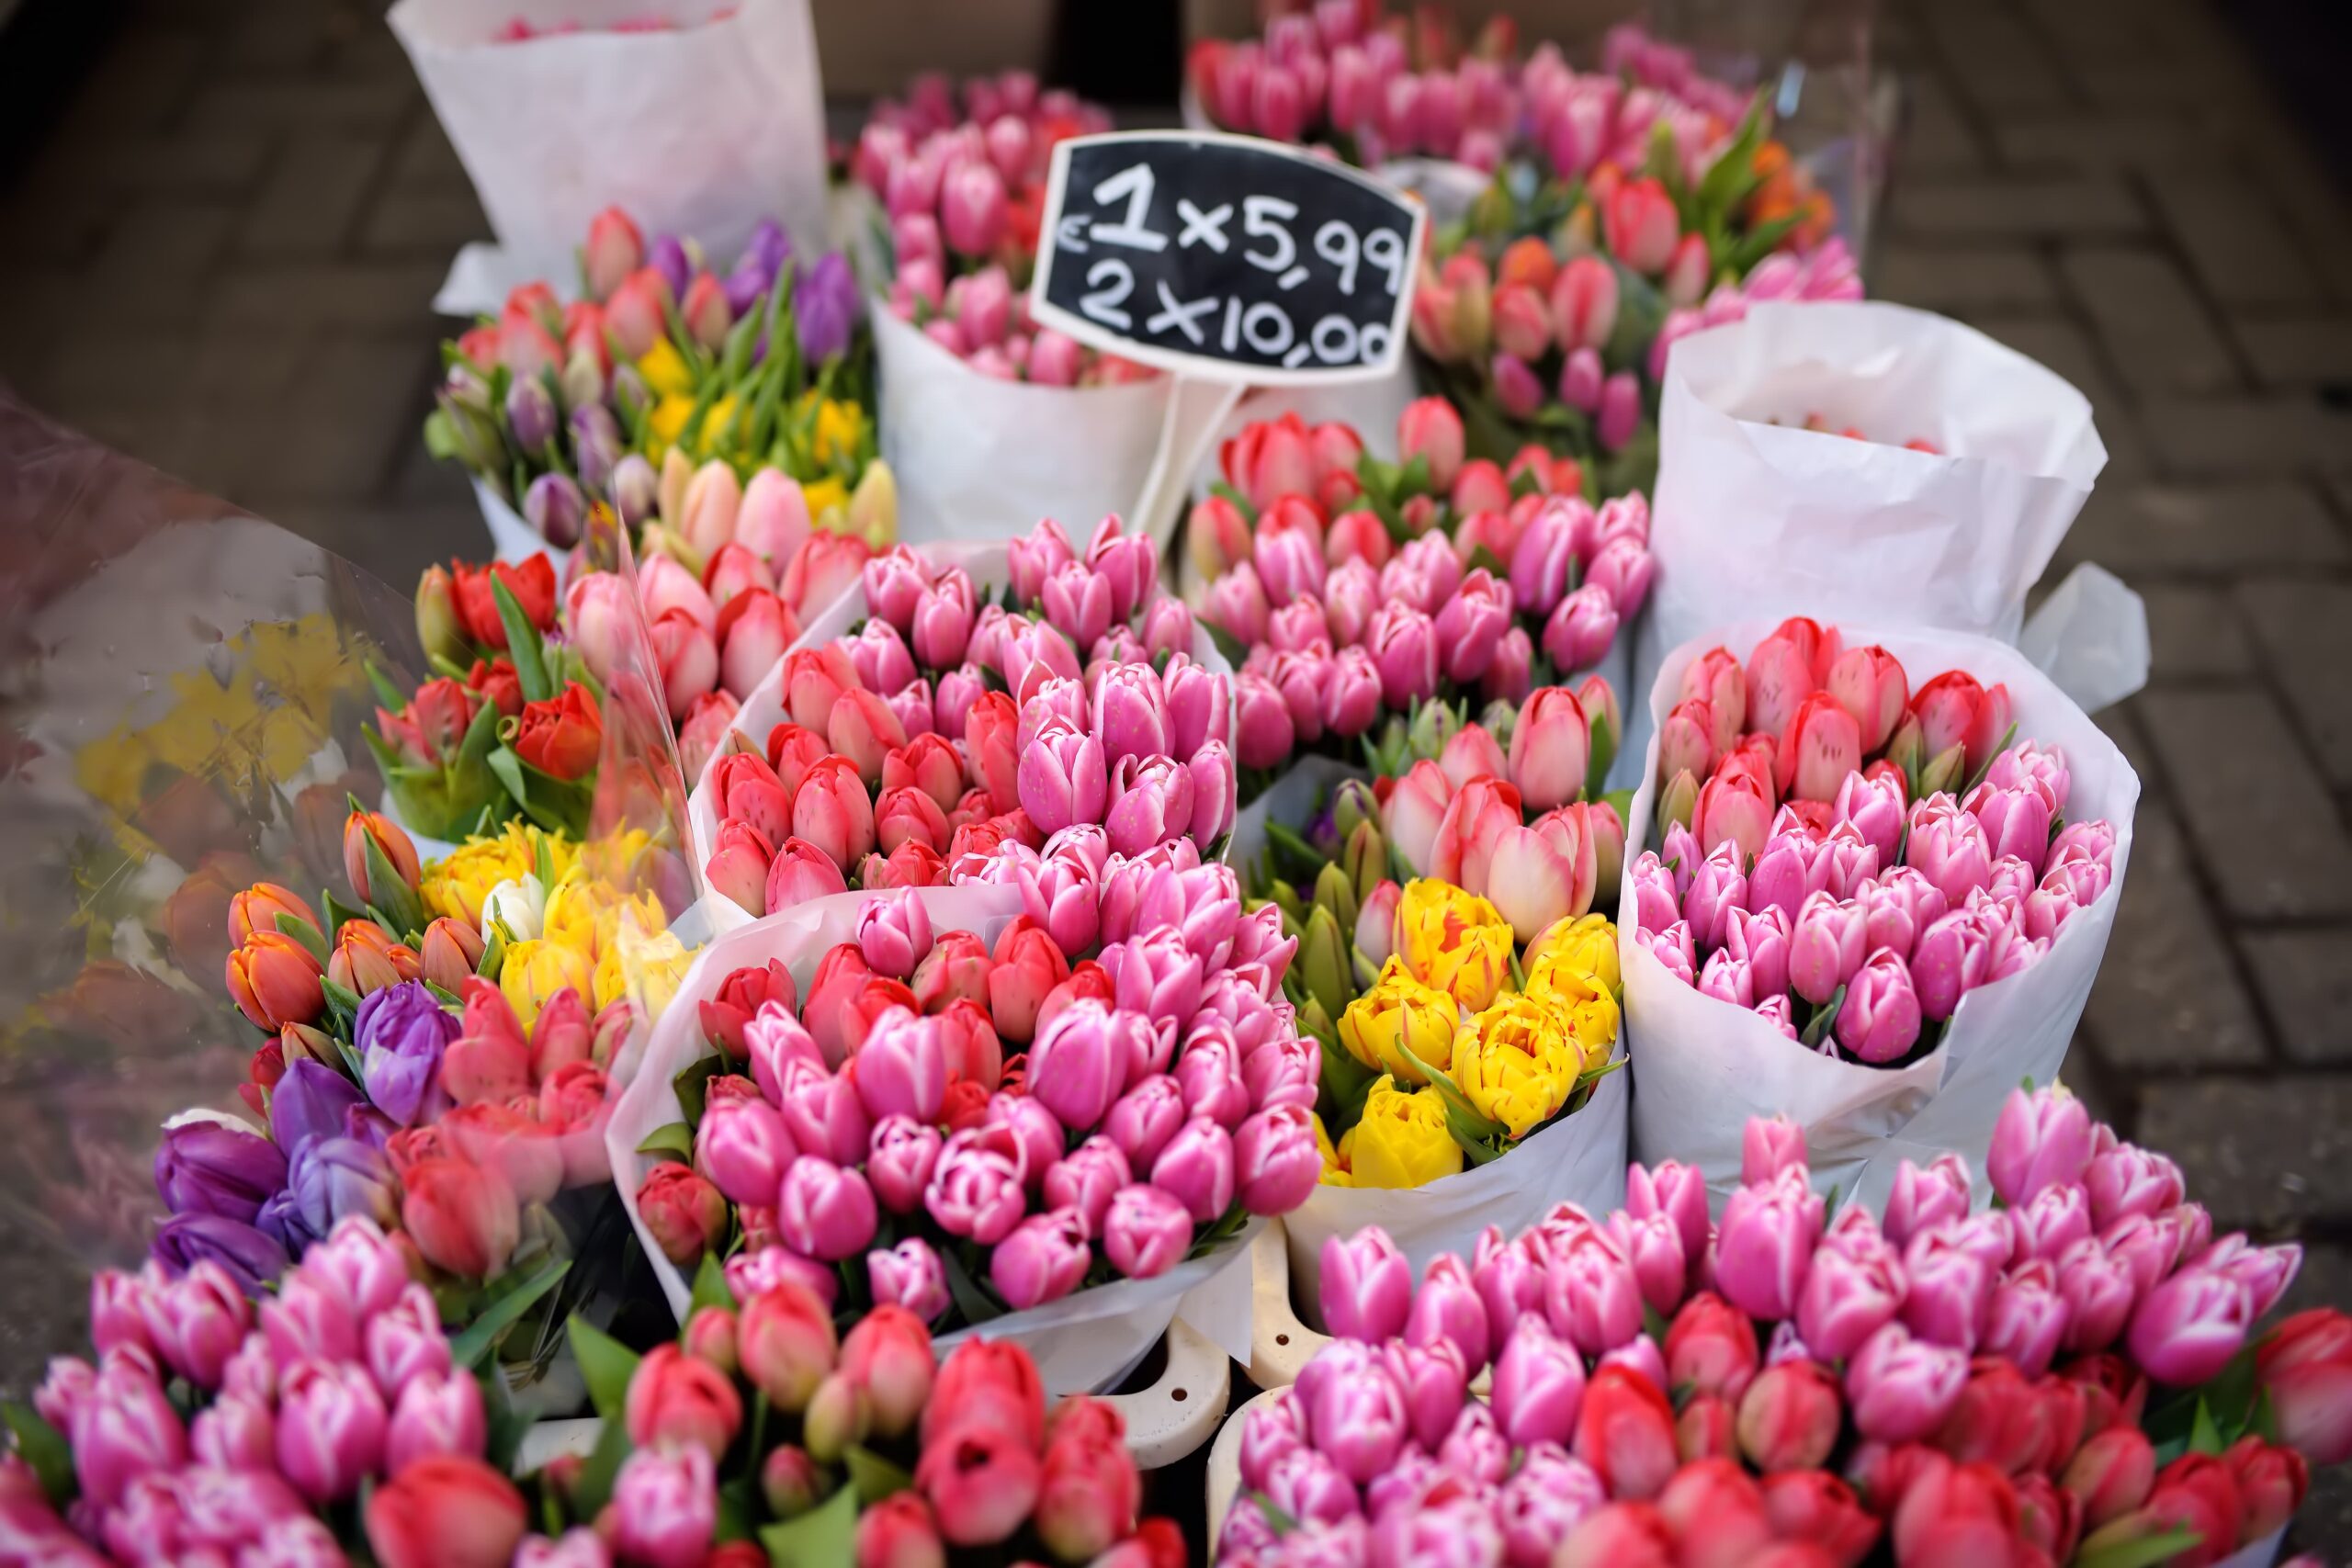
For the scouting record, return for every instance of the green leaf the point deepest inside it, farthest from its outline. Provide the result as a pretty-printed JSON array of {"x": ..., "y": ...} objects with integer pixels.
[
  {"x": 1818, "y": 1028},
  {"x": 2144, "y": 1552},
  {"x": 341, "y": 996},
  {"x": 472, "y": 1347},
  {"x": 692, "y": 1083},
  {"x": 1241, "y": 501},
  {"x": 386, "y": 692},
  {"x": 505, "y": 1425},
  {"x": 303, "y": 931},
  {"x": 2204, "y": 1436},
  {"x": 43, "y": 1447},
  {"x": 1277, "y": 1518},
  {"x": 822, "y": 1538},
  {"x": 710, "y": 1287},
  {"x": 523, "y": 645},
  {"x": 1461, "y": 1116},
  {"x": 1481, "y": 556},
  {"x": 594, "y": 1488},
  {"x": 674, "y": 1138},
  {"x": 392, "y": 898},
  {"x": 1977, "y": 777},
  {"x": 873, "y": 1477},
  {"x": 605, "y": 1366},
  {"x": 970, "y": 1301},
  {"x": 1233, "y": 647}
]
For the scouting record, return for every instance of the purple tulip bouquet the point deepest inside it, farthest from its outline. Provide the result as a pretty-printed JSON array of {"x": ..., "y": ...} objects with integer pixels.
[{"x": 2075, "y": 1375}]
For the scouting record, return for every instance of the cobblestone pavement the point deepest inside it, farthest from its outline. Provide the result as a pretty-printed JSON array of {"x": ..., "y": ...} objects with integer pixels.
[{"x": 222, "y": 260}]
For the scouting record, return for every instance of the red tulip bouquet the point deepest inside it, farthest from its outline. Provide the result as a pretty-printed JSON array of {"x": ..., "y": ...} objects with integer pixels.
[
  {"x": 1505, "y": 587},
  {"x": 1912, "y": 881},
  {"x": 944, "y": 724},
  {"x": 761, "y": 1434},
  {"x": 2076, "y": 1376},
  {"x": 511, "y": 724},
  {"x": 927, "y": 1099}
]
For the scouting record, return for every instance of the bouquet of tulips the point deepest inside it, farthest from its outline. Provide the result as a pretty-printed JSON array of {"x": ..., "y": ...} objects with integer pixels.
[
  {"x": 2075, "y": 1377},
  {"x": 1549, "y": 317},
  {"x": 439, "y": 1069},
  {"x": 1861, "y": 856},
  {"x": 1527, "y": 588},
  {"x": 658, "y": 366},
  {"x": 1473, "y": 1006},
  {"x": 962, "y": 193},
  {"x": 760, "y": 1435},
  {"x": 1160, "y": 1102},
  {"x": 1373, "y": 86},
  {"x": 511, "y": 725},
  {"x": 215, "y": 1429},
  {"x": 941, "y": 724},
  {"x": 1928, "y": 876}
]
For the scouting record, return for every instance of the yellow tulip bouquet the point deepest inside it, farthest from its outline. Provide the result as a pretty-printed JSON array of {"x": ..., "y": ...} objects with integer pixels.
[{"x": 1449, "y": 1035}]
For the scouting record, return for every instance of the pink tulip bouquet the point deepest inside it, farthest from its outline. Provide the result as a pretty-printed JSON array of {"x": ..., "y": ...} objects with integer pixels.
[
  {"x": 1334, "y": 624},
  {"x": 1161, "y": 1101},
  {"x": 332, "y": 1416},
  {"x": 962, "y": 191},
  {"x": 1861, "y": 855},
  {"x": 2076, "y": 1376},
  {"x": 943, "y": 727},
  {"x": 1371, "y": 86}
]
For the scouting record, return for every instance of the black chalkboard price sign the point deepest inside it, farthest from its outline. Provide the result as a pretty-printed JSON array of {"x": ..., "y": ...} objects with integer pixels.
[{"x": 1225, "y": 257}]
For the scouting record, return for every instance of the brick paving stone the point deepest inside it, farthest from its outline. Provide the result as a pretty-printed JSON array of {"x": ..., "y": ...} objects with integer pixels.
[
  {"x": 2294, "y": 350},
  {"x": 313, "y": 196},
  {"x": 219, "y": 161},
  {"x": 2309, "y": 200},
  {"x": 2194, "y": 633},
  {"x": 350, "y": 410},
  {"x": 2203, "y": 529},
  {"x": 434, "y": 223},
  {"x": 2204, "y": 436},
  {"x": 2306, "y": 977},
  {"x": 2256, "y": 1152},
  {"x": 157, "y": 258},
  {"x": 426, "y": 159},
  {"x": 2234, "y": 239},
  {"x": 2149, "y": 320},
  {"x": 1936, "y": 136},
  {"x": 2304, "y": 627},
  {"x": 2132, "y": 138},
  {"x": 2008, "y": 208},
  {"x": 2264, "y": 826},
  {"x": 2166, "y": 998},
  {"x": 377, "y": 295},
  {"x": 311, "y": 107},
  {"x": 1994, "y": 58},
  {"x": 1937, "y": 278}
]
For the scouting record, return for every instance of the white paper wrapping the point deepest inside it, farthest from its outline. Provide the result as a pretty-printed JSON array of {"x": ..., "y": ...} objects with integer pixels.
[
  {"x": 978, "y": 458},
  {"x": 511, "y": 539},
  {"x": 1755, "y": 517},
  {"x": 1701, "y": 1067},
  {"x": 701, "y": 130},
  {"x": 1082, "y": 1343},
  {"x": 1579, "y": 1158}
]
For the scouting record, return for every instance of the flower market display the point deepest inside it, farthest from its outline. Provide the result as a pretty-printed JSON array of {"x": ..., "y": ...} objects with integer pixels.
[
  {"x": 655, "y": 375},
  {"x": 1348, "y": 588},
  {"x": 952, "y": 721},
  {"x": 2076, "y": 1375},
  {"x": 796, "y": 1015}
]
